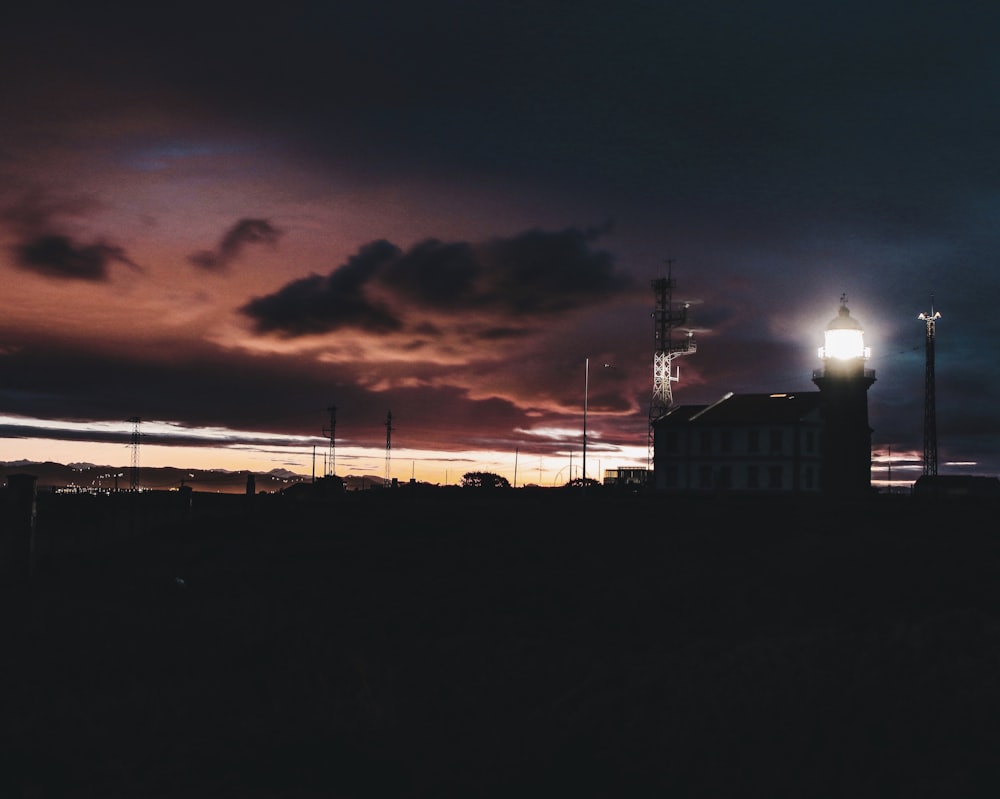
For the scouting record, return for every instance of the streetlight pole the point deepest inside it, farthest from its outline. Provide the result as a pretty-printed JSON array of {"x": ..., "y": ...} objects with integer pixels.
[{"x": 586, "y": 390}]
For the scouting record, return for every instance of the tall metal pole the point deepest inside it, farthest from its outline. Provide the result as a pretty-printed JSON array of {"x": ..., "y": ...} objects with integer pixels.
[
  {"x": 930, "y": 411},
  {"x": 388, "y": 446},
  {"x": 134, "y": 474},
  {"x": 586, "y": 389},
  {"x": 667, "y": 315},
  {"x": 332, "y": 432}
]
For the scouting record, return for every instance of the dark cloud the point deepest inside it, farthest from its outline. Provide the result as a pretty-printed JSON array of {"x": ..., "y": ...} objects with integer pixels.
[
  {"x": 42, "y": 247},
  {"x": 540, "y": 273},
  {"x": 243, "y": 233},
  {"x": 58, "y": 256},
  {"x": 437, "y": 274},
  {"x": 533, "y": 274},
  {"x": 37, "y": 212},
  {"x": 237, "y": 391},
  {"x": 77, "y": 380},
  {"x": 179, "y": 436},
  {"x": 318, "y": 304},
  {"x": 502, "y": 333}
]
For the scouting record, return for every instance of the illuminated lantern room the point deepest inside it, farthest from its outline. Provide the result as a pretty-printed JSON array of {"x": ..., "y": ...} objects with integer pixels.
[{"x": 844, "y": 347}]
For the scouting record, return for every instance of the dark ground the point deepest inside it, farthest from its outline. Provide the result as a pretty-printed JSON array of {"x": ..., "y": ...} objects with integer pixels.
[{"x": 516, "y": 645}]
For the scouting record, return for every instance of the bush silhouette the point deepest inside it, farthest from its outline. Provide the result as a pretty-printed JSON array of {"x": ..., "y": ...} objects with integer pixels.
[{"x": 484, "y": 480}]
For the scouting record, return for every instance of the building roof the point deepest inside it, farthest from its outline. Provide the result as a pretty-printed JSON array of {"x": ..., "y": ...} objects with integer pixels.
[{"x": 742, "y": 409}]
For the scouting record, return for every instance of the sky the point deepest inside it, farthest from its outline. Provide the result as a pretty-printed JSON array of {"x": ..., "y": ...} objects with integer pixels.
[{"x": 225, "y": 219}]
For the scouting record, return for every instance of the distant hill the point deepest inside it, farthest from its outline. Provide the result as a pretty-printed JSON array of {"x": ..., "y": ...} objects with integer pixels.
[{"x": 93, "y": 477}]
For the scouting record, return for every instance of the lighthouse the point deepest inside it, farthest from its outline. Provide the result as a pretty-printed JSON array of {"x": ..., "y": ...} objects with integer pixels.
[{"x": 843, "y": 381}]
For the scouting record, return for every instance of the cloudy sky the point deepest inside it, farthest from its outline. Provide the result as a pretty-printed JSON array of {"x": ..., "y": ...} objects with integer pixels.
[{"x": 224, "y": 220}]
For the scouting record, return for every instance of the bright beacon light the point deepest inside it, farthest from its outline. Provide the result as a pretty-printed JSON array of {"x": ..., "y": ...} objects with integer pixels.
[
  {"x": 844, "y": 339},
  {"x": 844, "y": 344}
]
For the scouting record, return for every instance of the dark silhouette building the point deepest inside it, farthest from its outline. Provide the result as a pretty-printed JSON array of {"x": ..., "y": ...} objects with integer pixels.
[
  {"x": 743, "y": 442},
  {"x": 788, "y": 442}
]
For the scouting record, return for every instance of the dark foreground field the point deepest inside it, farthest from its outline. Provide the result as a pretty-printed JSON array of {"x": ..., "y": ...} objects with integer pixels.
[{"x": 516, "y": 646}]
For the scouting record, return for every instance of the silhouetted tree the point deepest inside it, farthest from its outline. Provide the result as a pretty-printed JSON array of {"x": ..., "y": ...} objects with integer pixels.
[
  {"x": 577, "y": 482},
  {"x": 484, "y": 480}
]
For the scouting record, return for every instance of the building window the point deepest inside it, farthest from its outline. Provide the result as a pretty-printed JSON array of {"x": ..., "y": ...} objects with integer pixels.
[
  {"x": 753, "y": 477},
  {"x": 704, "y": 476},
  {"x": 726, "y": 443},
  {"x": 774, "y": 477},
  {"x": 725, "y": 477},
  {"x": 775, "y": 441},
  {"x": 670, "y": 441},
  {"x": 670, "y": 477},
  {"x": 810, "y": 441},
  {"x": 705, "y": 441},
  {"x": 808, "y": 477},
  {"x": 753, "y": 441}
]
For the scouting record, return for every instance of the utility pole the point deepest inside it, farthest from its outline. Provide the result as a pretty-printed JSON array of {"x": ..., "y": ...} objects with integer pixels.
[
  {"x": 134, "y": 473},
  {"x": 388, "y": 447},
  {"x": 332, "y": 432}
]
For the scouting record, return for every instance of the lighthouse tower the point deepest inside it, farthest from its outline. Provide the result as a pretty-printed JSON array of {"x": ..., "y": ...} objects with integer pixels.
[{"x": 843, "y": 383}]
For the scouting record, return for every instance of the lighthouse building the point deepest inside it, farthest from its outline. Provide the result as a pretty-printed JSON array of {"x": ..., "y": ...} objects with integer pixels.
[{"x": 781, "y": 442}]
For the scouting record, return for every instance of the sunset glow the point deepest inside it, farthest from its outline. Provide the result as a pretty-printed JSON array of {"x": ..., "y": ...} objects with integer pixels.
[{"x": 224, "y": 244}]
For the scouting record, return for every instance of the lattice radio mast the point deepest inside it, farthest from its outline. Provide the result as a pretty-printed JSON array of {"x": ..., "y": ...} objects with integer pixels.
[
  {"x": 332, "y": 432},
  {"x": 388, "y": 446},
  {"x": 667, "y": 316},
  {"x": 134, "y": 473},
  {"x": 930, "y": 411}
]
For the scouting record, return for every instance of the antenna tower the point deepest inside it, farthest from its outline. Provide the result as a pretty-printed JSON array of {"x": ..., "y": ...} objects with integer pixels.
[
  {"x": 332, "y": 432},
  {"x": 388, "y": 446},
  {"x": 930, "y": 411},
  {"x": 134, "y": 473},
  {"x": 667, "y": 316}
]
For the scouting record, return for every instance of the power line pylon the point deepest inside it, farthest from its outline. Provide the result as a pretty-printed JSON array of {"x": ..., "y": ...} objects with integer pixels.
[
  {"x": 388, "y": 447},
  {"x": 134, "y": 472},
  {"x": 667, "y": 316},
  {"x": 332, "y": 432},
  {"x": 930, "y": 411}
]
